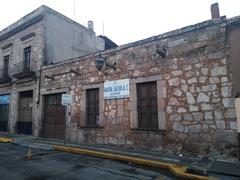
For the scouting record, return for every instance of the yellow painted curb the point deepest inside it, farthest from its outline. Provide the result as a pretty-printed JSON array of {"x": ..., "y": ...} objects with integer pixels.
[
  {"x": 177, "y": 170},
  {"x": 6, "y": 140}
]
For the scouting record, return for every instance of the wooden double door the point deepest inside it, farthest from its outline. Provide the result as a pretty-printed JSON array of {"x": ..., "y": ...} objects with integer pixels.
[{"x": 54, "y": 117}]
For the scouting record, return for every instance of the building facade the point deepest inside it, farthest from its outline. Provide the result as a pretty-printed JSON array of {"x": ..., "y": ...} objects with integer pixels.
[
  {"x": 40, "y": 38},
  {"x": 180, "y": 92},
  {"x": 174, "y": 93}
]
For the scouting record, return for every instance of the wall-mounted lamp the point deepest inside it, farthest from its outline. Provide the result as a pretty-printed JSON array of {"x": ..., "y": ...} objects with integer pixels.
[{"x": 101, "y": 63}]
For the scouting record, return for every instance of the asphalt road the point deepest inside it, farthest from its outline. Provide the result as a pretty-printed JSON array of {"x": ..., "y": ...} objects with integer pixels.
[{"x": 48, "y": 165}]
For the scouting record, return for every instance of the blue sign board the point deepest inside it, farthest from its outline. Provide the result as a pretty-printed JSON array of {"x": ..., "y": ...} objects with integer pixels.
[{"x": 5, "y": 99}]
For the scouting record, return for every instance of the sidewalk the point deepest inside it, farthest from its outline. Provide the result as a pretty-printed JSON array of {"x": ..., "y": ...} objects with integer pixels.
[{"x": 176, "y": 164}]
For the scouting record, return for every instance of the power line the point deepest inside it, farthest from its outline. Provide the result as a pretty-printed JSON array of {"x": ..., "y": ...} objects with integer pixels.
[
  {"x": 73, "y": 26},
  {"x": 103, "y": 28}
]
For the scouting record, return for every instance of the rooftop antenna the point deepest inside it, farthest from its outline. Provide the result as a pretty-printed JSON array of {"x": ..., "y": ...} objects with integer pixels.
[
  {"x": 74, "y": 8},
  {"x": 103, "y": 28},
  {"x": 73, "y": 26}
]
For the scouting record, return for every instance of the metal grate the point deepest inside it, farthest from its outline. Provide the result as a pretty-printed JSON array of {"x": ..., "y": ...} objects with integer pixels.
[
  {"x": 92, "y": 104},
  {"x": 4, "y": 74},
  {"x": 147, "y": 105},
  {"x": 27, "y": 57},
  {"x": 25, "y": 65}
]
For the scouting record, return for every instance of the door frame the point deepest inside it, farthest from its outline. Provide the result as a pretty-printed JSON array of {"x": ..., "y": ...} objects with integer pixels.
[
  {"x": 18, "y": 111},
  {"x": 9, "y": 94},
  {"x": 54, "y": 123},
  {"x": 67, "y": 111}
]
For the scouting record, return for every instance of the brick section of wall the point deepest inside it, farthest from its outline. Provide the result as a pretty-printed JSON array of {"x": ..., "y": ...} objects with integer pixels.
[{"x": 196, "y": 94}]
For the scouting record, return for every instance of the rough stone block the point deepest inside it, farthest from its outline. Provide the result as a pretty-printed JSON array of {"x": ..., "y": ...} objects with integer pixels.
[
  {"x": 190, "y": 74},
  {"x": 216, "y": 55},
  {"x": 173, "y": 101},
  {"x": 230, "y": 113},
  {"x": 228, "y": 102},
  {"x": 169, "y": 109},
  {"x": 210, "y": 87},
  {"x": 187, "y": 117},
  {"x": 205, "y": 127},
  {"x": 220, "y": 124},
  {"x": 185, "y": 129},
  {"x": 198, "y": 65},
  {"x": 196, "y": 128},
  {"x": 190, "y": 98},
  {"x": 191, "y": 81},
  {"x": 208, "y": 115},
  {"x": 174, "y": 82},
  {"x": 227, "y": 136},
  {"x": 192, "y": 89},
  {"x": 226, "y": 91},
  {"x": 233, "y": 125},
  {"x": 193, "y": 108},
  {"x": 187, "y": 67},
  {"x": 178, "y": 127},
  {"x": 215, "y": 100},
  {"x": 214, "y": 80},
  {"x": 184, "y": 87},
  {"x": 206, "y": 107},
  {"x": 177, "y": 92},
  {"x": 202, "y": 79},
  {"x": 224, "y": 79},
  {"x": 183, "y": 81},
  {"x": 177, "y": 73},
  {"x": 218, "y": 114},
  {"x": 175, "y": 117},
  {"x": 219, "y": 71},
  {"x": 181, "y": 110},
  {"x": 136, "y": 73},
  {"x": 204, "y": 71},
  {"x": 197, "y": 116},
  {"x": 202, "y": 98},
  {"x": 166, "y": 76}
]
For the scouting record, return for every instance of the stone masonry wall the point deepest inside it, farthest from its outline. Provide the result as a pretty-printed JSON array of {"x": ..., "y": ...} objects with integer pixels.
[
  {"x": 16, "y": 53},
  {"x": 195, "y": 83}
]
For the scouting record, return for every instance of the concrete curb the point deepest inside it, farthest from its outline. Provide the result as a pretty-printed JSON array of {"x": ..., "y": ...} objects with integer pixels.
[
  {"x": 6, "y": 140},
  {"x": 27, "y": 144},
  {"x": 177, "y": 170}
]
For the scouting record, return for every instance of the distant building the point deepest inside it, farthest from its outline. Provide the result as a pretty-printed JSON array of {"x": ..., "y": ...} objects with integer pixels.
[{"x": 109, "y": 44}]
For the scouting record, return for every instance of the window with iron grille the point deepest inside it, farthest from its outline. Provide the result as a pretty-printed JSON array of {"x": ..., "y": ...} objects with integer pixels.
[
  {"x": 27, "y": 58},
  {"x": 92, "y": 107},
  {"x": 147, "y": 105},
  {"x": 6, "y": 66}
]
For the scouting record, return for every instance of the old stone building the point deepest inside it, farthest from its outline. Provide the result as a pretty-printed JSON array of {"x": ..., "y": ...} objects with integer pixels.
[
  {"x": 182, "y": 86},
  {"x": 173, "y": 93},
  {"x": 40, "y": 38}
]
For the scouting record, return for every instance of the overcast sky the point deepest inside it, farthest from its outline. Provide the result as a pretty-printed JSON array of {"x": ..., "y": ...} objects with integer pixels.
[{"x": 124, "y": 20}]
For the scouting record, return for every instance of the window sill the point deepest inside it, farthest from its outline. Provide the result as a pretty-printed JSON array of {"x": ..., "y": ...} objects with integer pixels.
[
  {"x": 162, "y": 131},
  {"x": 91, "y": 127}
]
